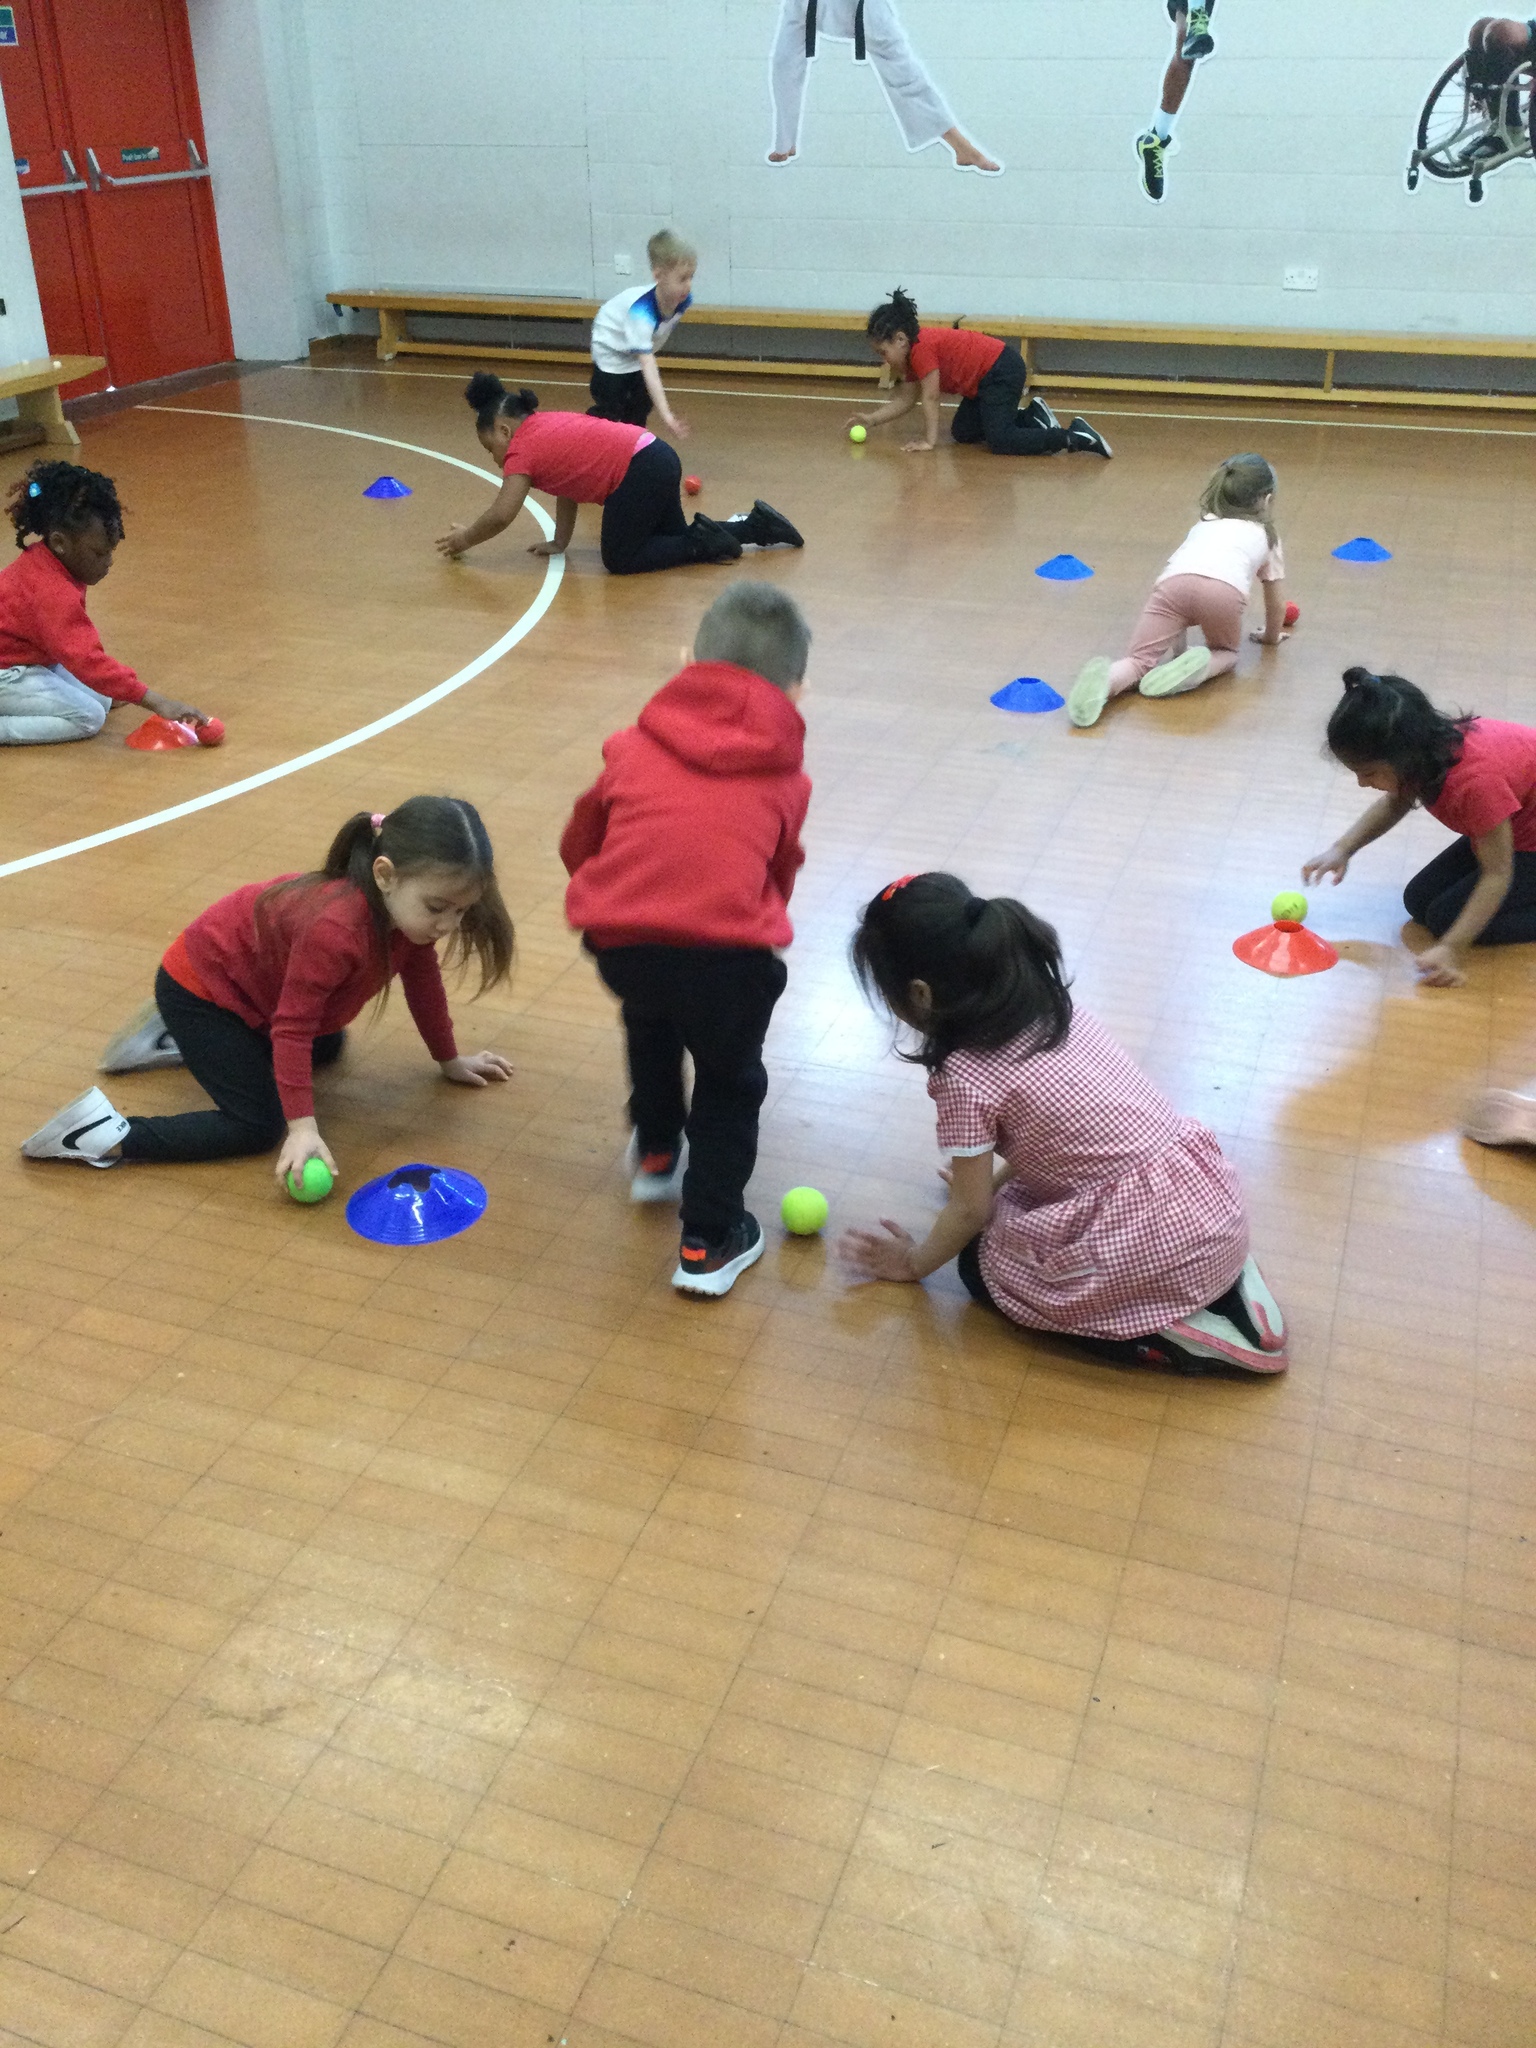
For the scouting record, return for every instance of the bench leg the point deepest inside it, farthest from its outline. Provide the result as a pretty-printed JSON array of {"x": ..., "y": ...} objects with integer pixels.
[
  {"x": 43, "y": 409},
  {"x": 392, "y": 331}
]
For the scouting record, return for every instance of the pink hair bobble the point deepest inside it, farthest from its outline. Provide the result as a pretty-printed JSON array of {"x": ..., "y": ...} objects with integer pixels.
[{"x": 377, "y": 822}]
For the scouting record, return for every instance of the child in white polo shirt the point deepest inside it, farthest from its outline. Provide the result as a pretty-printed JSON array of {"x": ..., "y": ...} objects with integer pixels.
[{"x": 631, "y": 330}]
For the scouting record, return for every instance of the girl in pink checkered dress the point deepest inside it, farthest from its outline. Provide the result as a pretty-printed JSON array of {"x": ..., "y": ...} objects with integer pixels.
[{"x": 1108, "y": 1217}]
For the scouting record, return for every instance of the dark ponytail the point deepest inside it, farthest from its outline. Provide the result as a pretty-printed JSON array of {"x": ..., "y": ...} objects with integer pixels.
[
  {"x": 897, "y": 316},
  {"x": 61, "y": 497},
  {"x": 1390, "y": 720},
  {"x": 490, "y": 400},
  {"x": 423, "y": 832},
  {"x": 992, "y": 967}
]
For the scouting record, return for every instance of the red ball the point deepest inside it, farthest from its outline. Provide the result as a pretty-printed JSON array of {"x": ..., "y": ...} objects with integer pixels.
[
  {"x": 209, "y": 731},
  {"x": 693, "y": 485},
  {"x": 1292, "y": 612}
]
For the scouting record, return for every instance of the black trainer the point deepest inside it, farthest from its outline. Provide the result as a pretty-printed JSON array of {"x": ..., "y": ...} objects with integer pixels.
[
  {"x": 762, "y": 527},
  {"x": 712, "y": 541},
  {"x": 711, "y": 1269},
  {"x": 1153, "y": 152},
  {"x": 1086, "y": 440},
  {"x": 1198, "y": 40},
  {"x": 1038, "y": 414}
]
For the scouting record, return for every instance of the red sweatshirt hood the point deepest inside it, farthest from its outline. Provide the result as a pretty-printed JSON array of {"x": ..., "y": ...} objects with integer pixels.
[{"x": 724, "y": 720}]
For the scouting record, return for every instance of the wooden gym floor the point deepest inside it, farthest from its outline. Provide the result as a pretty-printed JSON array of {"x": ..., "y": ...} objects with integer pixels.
[{"x": 480, "y": 1646}]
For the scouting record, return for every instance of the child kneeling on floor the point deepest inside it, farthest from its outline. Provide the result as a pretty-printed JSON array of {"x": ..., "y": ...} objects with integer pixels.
[
  {"x": 1112, "y": 1219},
  {"x": 257, "y": 992},
  {"x": 57, "y": 681},
  {"x": 682, "y": 856}
]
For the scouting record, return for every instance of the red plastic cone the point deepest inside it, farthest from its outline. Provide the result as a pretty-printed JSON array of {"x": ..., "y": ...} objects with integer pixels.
[
  {"x": 1285, "y": 948},
  {"x": 158, "y": 735}
]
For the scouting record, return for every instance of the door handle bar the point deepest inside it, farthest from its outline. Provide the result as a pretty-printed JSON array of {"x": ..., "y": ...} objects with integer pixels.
[
  {"x": 199, "y": 170},
  {"x": 76, "y": 182}
]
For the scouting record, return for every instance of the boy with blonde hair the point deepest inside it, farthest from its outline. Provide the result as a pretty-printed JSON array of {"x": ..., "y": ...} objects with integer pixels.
[{"x": 632, "y": 328}]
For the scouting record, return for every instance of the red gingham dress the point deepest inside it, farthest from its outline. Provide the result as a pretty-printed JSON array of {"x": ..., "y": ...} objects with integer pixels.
[{"x": 1121, "y": 1216}]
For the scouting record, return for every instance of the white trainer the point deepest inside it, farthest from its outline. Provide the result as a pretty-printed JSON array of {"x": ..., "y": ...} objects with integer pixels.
[
  {"x": 1501, "y": 1117},
  {"x": 1090, "y": 693},
  {"x": 84, "y": 1131},
  {"x": 142, "y": 1043},
  {"x": 654, "y": 1179}
]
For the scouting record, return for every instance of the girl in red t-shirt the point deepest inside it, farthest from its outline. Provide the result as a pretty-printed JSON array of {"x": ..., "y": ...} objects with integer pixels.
[
  {"x": 258, "y": 990},
  {"x": 1477, "y": 775},
  {"x": 988, "y": 375},
  {"x": 580, "y": 460}
]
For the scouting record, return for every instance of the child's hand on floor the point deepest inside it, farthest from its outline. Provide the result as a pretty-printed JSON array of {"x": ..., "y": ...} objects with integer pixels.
[
  {"x": 1330, "y": 865},
  {"x": 1269, "y": 639},
  {"x": 172, "y": 707},
  {"x": 475, "y": 1069},
  {"x": 868, "y": 1256},
  {"x": 1440, "y": 967},
  {"x": 302, "y": 1142},
  {"x": 452, "y": 543},
  {"x": 917, "y": 447},
  {"x": 546, "y": 548}
]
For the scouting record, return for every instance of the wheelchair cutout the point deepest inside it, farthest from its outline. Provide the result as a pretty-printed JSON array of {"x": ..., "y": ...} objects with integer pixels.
[{"x": 1469, "y": 131}]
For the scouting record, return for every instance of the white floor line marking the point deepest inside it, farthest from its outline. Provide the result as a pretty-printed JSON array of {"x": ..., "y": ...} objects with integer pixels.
[
  {"x": 1251, "y": 419},
  {"x": 554, "y": 570}
]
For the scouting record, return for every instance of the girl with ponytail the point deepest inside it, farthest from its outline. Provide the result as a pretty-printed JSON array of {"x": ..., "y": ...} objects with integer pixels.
[
  {"x": 1477, "y": 775},
  {"x": 1205, "y": 586},
  {"x": 581, "y": 460},
  {"x": 257, "y": 992},
  {"x": 1079, "y": 1200}
]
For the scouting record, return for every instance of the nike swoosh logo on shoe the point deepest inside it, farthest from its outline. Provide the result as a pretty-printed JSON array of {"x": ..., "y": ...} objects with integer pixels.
[{"x": 72, "y": 1142}]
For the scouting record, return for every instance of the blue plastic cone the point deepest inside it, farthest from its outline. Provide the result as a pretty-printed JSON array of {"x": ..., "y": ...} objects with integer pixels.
[
  {"x": 1362, "y": 549},
  {"x": 416, "y": 1205},
  {"x": 1064, "y": 569},
  {"x": 1027, "y": 693},
  {"x": 387, "y": 487}
]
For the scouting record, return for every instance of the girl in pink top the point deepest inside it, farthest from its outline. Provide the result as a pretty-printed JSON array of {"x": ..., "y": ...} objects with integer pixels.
[
  {"x": 580, "y": 460},
  {"x": 1109, "y": 1217},
  {"x": 1206, "y": 583}
]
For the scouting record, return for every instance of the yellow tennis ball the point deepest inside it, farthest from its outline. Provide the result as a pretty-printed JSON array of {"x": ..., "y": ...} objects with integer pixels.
[
  {"x": 804, "y": 1211},
  {"x": 313, "y": 1184},
  {"x": 856, "y": 433},
  {"x": 1289, "y": 907}
]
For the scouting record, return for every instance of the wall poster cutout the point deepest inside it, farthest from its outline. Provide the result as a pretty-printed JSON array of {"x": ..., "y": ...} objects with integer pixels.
[
  {"x": 1481, "y": 111},
  {"x": 878, "y": 38},
  {"x": 1193, "y": 42}
]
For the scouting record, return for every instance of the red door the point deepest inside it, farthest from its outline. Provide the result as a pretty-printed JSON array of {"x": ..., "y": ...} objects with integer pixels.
[{"x": 110, "y": 85}]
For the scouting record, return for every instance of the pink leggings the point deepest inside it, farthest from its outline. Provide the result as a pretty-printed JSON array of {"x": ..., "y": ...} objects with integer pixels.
[{"x": 1175, "y": 605}]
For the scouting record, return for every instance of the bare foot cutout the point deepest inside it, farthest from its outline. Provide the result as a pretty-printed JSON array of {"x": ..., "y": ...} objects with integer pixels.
[
  {"x": 780, "y": 156},
  {"x": 967, "y": 156}
]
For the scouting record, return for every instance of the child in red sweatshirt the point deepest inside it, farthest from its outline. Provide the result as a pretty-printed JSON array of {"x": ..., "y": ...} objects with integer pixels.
[
  {"x": 57, "y": 682},
  {"x": 682, "y": 856},
  {"x": 257, "y": 992}
]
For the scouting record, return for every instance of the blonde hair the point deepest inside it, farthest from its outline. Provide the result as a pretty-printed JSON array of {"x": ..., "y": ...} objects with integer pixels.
[
  {"x": 1237, "y": 488},
  {"x": 665, "y": 250}
]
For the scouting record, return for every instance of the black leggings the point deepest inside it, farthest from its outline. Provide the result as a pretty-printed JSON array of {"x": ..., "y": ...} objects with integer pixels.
[
  {"x": 994, "y": 415},
  {"x": 1437, "y": 895},
  {"x": 1153, "y": 1350},
  {"x": 619, "y": 395},
  {"x": 233, "y": 1064},
  {"x": 643, "y": 523}
]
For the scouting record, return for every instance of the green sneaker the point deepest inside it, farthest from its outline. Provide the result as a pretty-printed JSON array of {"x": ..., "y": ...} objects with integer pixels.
[
  {"x": 1173, "y": 678},
  {"x": 1198, "y": 40},
  {"x": 1153, "y": 152},
  {"x": 1090, "y": 693}
]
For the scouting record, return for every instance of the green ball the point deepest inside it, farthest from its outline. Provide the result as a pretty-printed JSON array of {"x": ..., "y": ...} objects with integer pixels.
[
  {"x": 313, "y": 1184},
  {"x": 1289, "y": 906},
  {"x": 804, "y": 1211},
  {"x": 856, "y": 433}
]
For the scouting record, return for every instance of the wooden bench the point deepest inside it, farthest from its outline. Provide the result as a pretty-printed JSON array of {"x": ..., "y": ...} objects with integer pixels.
[
  {"x": 394, "y": 309},
  {"x": 35, "y": 387}
]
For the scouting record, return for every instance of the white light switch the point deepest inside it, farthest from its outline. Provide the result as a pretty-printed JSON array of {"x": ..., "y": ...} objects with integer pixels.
[
  {"x": 1299, "y": 277},
  {"x": 623, "y": 263}
]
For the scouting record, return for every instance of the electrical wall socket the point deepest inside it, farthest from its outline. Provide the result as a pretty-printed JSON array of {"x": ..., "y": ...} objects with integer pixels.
[
  {"x": 624, "y": 264},
  {"x": 1300, "y": 277}
]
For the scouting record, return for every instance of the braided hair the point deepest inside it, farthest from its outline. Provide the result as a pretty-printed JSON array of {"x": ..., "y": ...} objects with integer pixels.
[
  {"x": 61, "y": 497},
  {"x": 896, "y": 317}
]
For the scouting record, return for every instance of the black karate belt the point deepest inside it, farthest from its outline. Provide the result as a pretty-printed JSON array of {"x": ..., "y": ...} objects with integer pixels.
[{"x": 858, "y": 31}]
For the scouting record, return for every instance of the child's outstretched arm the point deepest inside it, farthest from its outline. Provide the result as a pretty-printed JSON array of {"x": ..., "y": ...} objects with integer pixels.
[
  {"x": 1441, "y": 964},
  {"x": 1386, "y": 812},
  {"x": 903, "y": 400},
  {"x": 1274, "y": 629},
  {"x": 496, "y": 518},
  {"x": 653, "y": 384},
  {"x": 899, "y": 1256},
  {"x": 421, "y": 976}
]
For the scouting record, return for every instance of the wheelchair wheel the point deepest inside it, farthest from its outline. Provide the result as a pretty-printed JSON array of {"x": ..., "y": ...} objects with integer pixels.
[{"x": 1451, "y": 118}]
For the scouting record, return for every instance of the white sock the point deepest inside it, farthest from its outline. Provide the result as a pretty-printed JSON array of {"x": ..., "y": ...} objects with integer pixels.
[{"x": 1162, "y": 126}]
